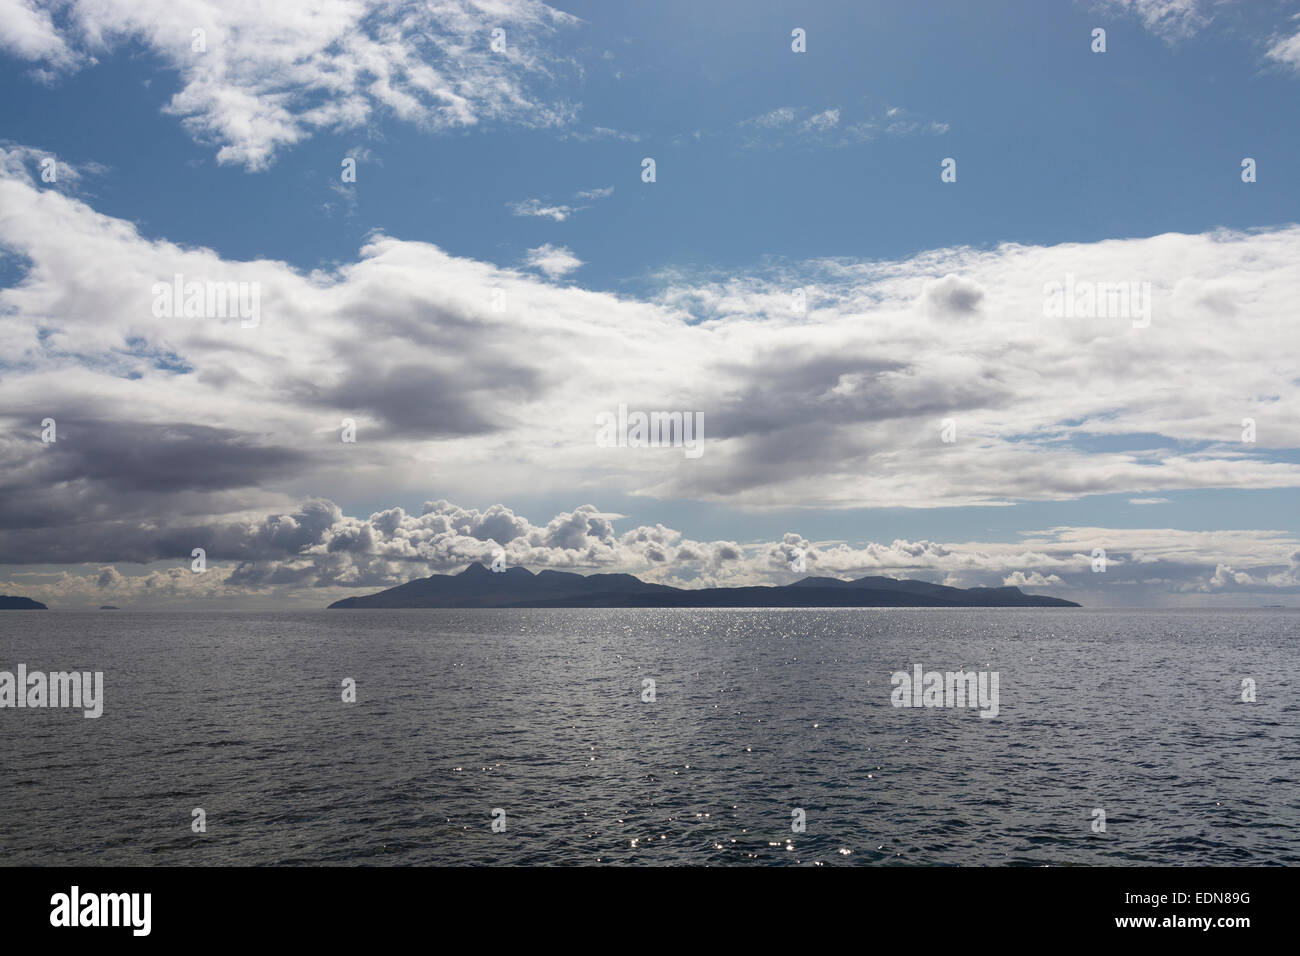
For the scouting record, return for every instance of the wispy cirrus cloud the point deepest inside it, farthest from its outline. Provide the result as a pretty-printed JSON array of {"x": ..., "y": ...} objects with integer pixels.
[
  {"x": 1169, "y": 19},
  {"x": 558, "y": 212},
  {"x": 539, "y": 208},
  {"x": 1177, "y": 20},
  {"x": 831, "y": 127}
]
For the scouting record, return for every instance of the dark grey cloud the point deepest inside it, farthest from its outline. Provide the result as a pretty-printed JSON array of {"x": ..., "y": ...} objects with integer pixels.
[
  {"x": 418, "y": 401},
  {"x": 132, "y": 491},
  {"x": 788, "y": 391},
  {"x": 141, "y": 456}
]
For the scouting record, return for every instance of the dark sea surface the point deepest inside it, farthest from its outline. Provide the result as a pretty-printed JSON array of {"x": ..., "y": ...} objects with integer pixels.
[{"x": 757, "y": 712}]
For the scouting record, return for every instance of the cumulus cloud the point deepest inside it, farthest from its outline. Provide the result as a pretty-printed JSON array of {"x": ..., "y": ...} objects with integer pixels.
[
  {"x": 28, "y": 32},
  {"x": 263, "y": 76},
  {"x": 955, "y": 295},
  {"x": 1033, "y": 579}
]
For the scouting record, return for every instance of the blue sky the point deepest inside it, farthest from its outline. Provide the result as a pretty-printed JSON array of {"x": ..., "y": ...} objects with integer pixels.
[
  {"x": 774, "y": 169},
  {"x": 1056, "y": 143}
]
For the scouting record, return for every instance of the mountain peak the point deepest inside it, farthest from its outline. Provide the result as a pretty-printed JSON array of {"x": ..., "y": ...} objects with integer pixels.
[{"x": 478, "y": 570}]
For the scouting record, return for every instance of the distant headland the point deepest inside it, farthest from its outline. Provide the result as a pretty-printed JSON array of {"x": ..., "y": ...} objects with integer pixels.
[
  {"x": 14, "y": 603},
  {"x": 477, "y": 586}
]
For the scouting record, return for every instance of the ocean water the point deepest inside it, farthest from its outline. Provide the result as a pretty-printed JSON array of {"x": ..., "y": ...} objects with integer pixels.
[{"x": 757, "y": 713}]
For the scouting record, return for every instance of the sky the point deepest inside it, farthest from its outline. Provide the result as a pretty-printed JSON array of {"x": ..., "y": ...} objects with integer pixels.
[{"x": 840, "y": 236}]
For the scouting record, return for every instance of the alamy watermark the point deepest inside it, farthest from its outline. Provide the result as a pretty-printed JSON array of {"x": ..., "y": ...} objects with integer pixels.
[
  {"x": 962, "y": 688},
  {"x": 683, "y": 430},
  {"x": 56, "y": 689},
  {"x": 208, "y": 300},
  {"x": 75, "y": 908},
  {"x": 1098, "y": 300}
]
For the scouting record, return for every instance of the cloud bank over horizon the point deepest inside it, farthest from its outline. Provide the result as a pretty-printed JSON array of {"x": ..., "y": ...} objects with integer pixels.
[{"x": 318, "y": 554}]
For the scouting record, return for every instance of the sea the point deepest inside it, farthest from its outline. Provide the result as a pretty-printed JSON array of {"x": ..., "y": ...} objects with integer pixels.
[{"x": 655, "y": 737}]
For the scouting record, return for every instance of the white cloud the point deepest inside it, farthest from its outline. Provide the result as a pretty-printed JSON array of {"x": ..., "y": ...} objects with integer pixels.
[
  {"x": 1033, "y": 579},
  {"x": 27, "y": 162},
  {"x": 558, "y": 211},
  {"x": 536, "y": 207},
  {"x": 28, "y": 32},
  {"x": 271, "y": 74},
  {"x": 1286, "y": 49},
  {"x": 827, "y": 119},
  {"x": 800, "y": 126},
  {"x": 1169, "y": 19},
  {"x": 838, "y": 407},
  {"x": 1176, "y": 20},
  {"x": 782, "y": 116},
  {"x": 555, "y": 261},
  {"x": 598, "y": 133}
]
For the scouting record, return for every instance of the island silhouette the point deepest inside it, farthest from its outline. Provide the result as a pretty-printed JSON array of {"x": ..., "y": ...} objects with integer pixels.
[{"x": 517, "y": 587}]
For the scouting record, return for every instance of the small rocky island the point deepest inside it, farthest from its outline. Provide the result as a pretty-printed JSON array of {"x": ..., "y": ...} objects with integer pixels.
[{"x": 14, "y": 603}]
